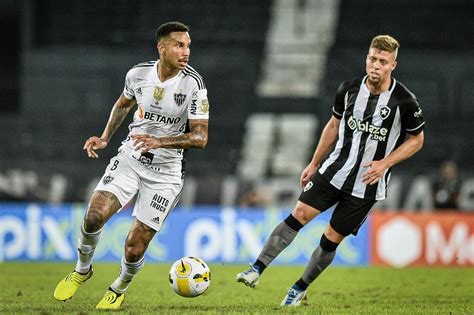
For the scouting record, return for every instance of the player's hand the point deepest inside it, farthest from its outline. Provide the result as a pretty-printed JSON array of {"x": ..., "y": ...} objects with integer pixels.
[
  {"x": 376, "y": 169},
  {"x": 309, "y": 171},
  {"x": 94, "y": 143},
  {"x": 145, "y": 143}
]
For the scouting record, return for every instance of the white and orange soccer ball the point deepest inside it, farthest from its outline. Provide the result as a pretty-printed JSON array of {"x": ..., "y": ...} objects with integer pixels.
[{"x": 190, "y": 276}]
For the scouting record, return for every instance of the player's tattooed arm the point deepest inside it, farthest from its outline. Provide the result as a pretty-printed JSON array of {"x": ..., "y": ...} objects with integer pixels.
[
  {"x": 119, "y": 111},
  {"x": 195, "y": 138}
]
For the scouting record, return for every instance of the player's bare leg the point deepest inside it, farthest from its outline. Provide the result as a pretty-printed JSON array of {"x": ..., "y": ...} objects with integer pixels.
[
  {"x": 281, "y": 237},
  {"x": 138, "y": 239},
  {"x": 322, "y": 257},
  {"x": 102, "y": 206}
]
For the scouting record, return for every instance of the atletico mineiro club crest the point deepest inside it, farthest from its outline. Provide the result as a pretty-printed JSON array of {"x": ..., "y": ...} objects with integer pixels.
[{"x": 179, "y": 98}]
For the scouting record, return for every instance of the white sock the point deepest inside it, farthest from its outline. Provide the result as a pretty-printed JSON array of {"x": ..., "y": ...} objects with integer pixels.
[
  {"x": 127, "y": 272},
  {"x": 85, "y": 249}
]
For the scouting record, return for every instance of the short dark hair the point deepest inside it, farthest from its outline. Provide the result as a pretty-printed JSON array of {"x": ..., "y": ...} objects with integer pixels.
[{"x": 167, "y": 28}]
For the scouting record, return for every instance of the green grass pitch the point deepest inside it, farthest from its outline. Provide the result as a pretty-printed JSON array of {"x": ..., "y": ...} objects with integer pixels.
[{"x": 28, "y": 288}]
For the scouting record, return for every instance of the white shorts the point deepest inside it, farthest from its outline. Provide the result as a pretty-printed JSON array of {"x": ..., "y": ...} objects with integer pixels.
[{"x": 157, "y": 193}]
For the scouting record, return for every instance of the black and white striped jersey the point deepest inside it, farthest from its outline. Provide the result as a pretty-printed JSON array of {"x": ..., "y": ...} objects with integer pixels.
[{"x": 371, "y": 127}]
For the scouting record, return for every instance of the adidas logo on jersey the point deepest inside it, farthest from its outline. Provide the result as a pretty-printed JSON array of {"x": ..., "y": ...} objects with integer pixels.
[{"x": 156, "y": 220}]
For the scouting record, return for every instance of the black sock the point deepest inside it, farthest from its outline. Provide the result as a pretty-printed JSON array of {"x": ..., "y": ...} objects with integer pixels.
[
  {"x": 301, "y": 285},
  {"x": 293, "y": 223},
  {"x": 260, "y": 266}
]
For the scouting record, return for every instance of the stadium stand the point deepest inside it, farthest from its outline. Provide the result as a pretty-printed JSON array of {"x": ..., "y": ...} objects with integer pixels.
[
  {"x": 10, "y": 75},
  {"x": 75, "y": 55},
  {"x": 78, "y": 76},
  {"x": 434, "y": 62}
]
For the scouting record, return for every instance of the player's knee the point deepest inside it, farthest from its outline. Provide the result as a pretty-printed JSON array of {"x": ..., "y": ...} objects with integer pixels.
[
  {"x": 94, "y": 219},
  {"x": 302, "y": 215},
  {"x": 332, "y": 235},
  {"x": 134, "y": 253}
]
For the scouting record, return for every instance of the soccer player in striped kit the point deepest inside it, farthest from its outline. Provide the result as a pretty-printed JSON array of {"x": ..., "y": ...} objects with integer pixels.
[
  {"x": 171, "y": 116},
  {"x": 376, "y": 123}
]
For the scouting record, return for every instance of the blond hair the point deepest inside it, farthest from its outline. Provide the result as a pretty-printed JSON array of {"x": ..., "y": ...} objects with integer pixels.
[{"x": 386, "y": 43}]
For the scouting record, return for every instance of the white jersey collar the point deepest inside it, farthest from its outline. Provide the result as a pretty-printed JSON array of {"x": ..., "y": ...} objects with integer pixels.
[{"x": 156, "y": 80}]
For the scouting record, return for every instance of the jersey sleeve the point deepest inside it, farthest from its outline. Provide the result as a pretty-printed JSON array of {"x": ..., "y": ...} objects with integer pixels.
[
  {"x": 339, "y": 104},
  {"x": 128, "y": 88},
  {"x": 412, "y": 117},
  {"x": 199, "y": 107}
]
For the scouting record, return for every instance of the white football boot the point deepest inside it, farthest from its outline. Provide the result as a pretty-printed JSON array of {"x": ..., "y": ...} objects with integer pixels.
[
  {"x": 294, "y": 298},
  {"x": 249, "y": 277}
]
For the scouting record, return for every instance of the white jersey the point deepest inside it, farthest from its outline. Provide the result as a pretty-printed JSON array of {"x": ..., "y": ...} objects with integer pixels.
[{"x": 163, "y": 109}]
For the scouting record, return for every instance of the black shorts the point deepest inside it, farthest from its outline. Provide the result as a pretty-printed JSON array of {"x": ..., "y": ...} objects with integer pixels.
[{"x": 350, "y": 211}]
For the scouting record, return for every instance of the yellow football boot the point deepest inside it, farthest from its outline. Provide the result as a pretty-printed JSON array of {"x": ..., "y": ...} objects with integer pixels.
[
  {"x": 111, "y": 300},
  {"x": 69, "y": 285}
]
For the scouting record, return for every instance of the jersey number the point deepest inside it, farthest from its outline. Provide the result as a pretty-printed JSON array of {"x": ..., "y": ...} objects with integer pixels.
[{"x": 114, "y": 167}]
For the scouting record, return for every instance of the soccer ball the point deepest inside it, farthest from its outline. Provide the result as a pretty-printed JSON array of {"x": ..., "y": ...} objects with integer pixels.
[{"x": 190, "y": 276}]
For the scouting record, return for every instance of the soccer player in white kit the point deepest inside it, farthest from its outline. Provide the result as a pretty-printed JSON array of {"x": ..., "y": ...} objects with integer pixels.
[{"x": 171, "y": 115}]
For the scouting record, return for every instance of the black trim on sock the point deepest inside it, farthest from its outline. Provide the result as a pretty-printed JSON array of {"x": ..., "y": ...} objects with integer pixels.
[
  {"x": 260, "y": 265},
  {"x": 90, "y": 269},
  {"x": 293, "y": 223},
  {"x": 301, "y": 284},
  {"x": 327, "y": 245}
]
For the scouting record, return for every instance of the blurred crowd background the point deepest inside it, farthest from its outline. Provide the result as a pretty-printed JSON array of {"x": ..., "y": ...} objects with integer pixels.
[{"x": 271, "y": 69}]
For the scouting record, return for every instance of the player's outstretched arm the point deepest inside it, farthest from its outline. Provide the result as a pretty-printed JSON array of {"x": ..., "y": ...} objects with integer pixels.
[
  {"x": 326, "y": 142},
  {"x": 377, "y": 169},
  {"x": 195, "y": 138},
  {"x": 119, "y": 111}
]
